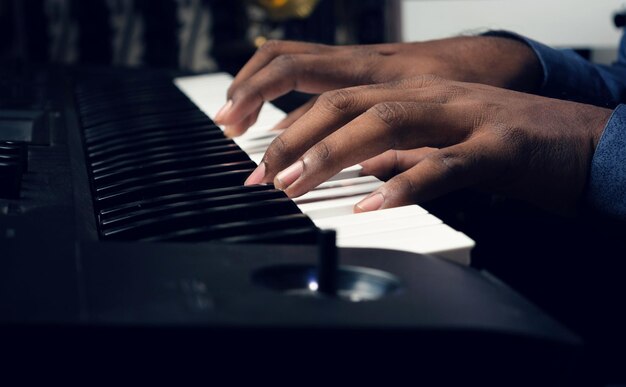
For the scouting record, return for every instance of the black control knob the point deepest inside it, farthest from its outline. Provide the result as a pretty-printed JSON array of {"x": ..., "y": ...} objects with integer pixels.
[{"x": 328, "y": 263}]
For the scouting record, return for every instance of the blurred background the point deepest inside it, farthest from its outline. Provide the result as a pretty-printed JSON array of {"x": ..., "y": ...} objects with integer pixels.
[
  {"x": 195, "y": 35},
  {"x": 207, "y": 35}
]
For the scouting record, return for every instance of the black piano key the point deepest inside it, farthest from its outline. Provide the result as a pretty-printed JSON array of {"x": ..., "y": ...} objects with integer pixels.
[
  {"x": 111, "y": 88},
  {"x": 202, "y": 204},
  {"x": 174, "y": 163},
  {"x": 168, "y": 187},
  {"x": 139, "y": 133},
  {"x": 161, "y": 170},
  {"x": 92, "y": 100},
  {"x": 184, "y": 220},
  {"x": 124, "y": 104},
  {"x": 117, "y": 181},
  {"x": 149, "y": 123},
  {"x": 122, "y": 209},
  {"x": 96, "y": 158},
  {"x": 107, "y": 119},
  {"x": 133, "y": 112},
  {"x": 171, "y": 119},
  {"x": 302, "y": 235},
  {"x": 157, "y": 139},
  {"x": 113, "y": 101},
  {"x": 132, "y": 159},
  {"x": 235, "y": 229}
]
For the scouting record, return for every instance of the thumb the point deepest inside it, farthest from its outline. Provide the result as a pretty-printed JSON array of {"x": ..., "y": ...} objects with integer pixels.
[
  {"x": 440, "y": 172},
  {"x": 392, "y": 162}
]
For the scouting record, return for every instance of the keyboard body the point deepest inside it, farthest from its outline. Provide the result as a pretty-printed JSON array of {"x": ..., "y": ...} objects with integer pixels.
[{"x": 67, "y": 284}]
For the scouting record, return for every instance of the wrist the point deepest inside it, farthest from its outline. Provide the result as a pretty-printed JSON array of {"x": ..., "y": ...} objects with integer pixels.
[
  {"x": 493, "y": 60},
  {"x": 517, "y": 65}
]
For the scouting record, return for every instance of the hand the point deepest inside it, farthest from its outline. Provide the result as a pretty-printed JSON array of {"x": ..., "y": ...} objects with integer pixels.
[
  {"x": 530, "y": 147},
  {"x": 279, "y": 67}
]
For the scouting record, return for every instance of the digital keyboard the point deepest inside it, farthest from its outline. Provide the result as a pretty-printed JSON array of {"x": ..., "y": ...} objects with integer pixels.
[
  {"x": 126, "y": 235},
  {"x": 330, "y": 205}
]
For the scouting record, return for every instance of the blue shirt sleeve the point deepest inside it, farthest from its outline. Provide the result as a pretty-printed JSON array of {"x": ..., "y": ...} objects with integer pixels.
[
  {"x": 566, "y": 75},
  {"x": 607, "y": 180}
]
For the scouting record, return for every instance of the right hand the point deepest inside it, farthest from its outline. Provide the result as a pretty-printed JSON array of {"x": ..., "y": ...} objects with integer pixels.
[
  {"x": 279, "y": 67},
  {"x": 437, "y": 136}
]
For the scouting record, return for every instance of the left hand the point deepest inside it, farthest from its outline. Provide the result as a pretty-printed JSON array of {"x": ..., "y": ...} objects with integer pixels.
[
  {"x": 530, "y": 147},
  {"x": 282, "y": 66}
]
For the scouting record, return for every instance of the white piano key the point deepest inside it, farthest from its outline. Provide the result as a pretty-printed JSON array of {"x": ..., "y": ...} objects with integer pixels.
[
  {"x": 208, "y": 92},
  {"x": 347, "y": 173},
  {"x": 256, "y": 157},
  {"x": 328, "y": 208},
  {"x": 252, "y": 149},
  {"x": 347, "y": 182},
  {"x": 387, "y": 225},
  {"x": 338, "y": 192},
  {"x": 440, "y": 240},
  {"x": 371, "y": 216},
  {"x": 254, "y": 144},
  {"x": 257, "y": 139}
]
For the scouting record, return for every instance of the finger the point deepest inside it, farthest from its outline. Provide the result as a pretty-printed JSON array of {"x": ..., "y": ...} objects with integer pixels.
[
  {"x": 458, "y": 166},
  {"x": 331, "y": 111},
  {"x": 270, "y": 50},
  {"x": 392, "y": 162},
  {"x": 294, "y": 115},
  {"x": 301, "y": 72},
  {"x": 388, "y": 125},
  {"x": 240, "y": 127}
]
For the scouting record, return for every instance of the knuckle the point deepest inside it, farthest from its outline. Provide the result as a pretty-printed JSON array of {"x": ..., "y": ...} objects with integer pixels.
[
  {"x": 276, "y": 151},
  {"x": 427, "y": 80},
  {"x": 403, "y": 185},
  {"x": 318, "y": 48},
  {"x": 321, "y": 151},
  {"x": 246, "y": 91},
  {"x": 390, "y": 113},
  {"x": 338, "y": 100},
  {"x": 271, "y": 47},
  {"x": 397, "y": 84},
  {"x": 449, "y": 91},
  {"x": 450, "y": 165},
  {"x": 284, "y": 62}
]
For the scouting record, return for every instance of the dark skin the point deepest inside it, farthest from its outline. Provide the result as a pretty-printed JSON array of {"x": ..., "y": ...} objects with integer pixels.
[{"x": 430, "y": 134}]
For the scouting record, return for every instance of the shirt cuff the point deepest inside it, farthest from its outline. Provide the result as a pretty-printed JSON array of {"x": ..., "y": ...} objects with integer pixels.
[
  {"x": 566, "y": 75},
  {"x": 607, "y": 181}
]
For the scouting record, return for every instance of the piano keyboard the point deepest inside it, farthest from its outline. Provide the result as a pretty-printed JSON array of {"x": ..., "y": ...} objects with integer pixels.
[
  {"x": 330, "y": 205},
  {"x": 160, "y": 170}
]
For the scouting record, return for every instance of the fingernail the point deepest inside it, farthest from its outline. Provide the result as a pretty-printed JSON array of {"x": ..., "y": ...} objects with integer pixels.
[
  {"x": 256, "y": 177},
  {"x": 223, "y": 111},
  {"x": 370, "y": 203},
  {"x": 285, "y": 178}
]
